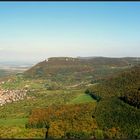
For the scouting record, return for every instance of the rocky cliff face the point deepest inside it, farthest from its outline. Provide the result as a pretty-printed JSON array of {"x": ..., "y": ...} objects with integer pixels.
[{"x": 8, "y": 96}]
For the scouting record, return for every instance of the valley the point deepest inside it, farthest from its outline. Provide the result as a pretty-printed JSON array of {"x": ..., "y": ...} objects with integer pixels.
[{"x": 72, "y": 98}]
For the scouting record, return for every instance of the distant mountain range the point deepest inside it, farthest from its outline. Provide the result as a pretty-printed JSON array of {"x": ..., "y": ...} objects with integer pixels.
[{"x": 31, "y": 63}]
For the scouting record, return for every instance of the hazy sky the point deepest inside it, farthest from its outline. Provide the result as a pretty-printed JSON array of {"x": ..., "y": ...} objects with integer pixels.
[{"x": 33, "y": 31}]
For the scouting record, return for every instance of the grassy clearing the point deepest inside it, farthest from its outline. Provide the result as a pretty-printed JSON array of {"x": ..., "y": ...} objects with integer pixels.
[
  {"x": 82, "y": 98},
  {"x": 13, "y": 122}
]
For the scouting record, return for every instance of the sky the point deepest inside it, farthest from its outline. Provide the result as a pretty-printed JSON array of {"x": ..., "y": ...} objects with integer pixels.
[{"x": 34, "y": 31}]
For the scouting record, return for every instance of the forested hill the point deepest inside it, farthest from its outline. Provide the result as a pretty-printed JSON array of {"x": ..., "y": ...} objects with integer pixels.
[
  {"x": 81, "y": 65},
  {"x": 125, "y": 85},
  {"x": 119, "y": 102}
]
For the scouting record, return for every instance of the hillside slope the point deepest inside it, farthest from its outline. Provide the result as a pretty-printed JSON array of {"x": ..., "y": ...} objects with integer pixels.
[
  {"x": 119, "y": 106},
  {"x": 80, "y": 69}
]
